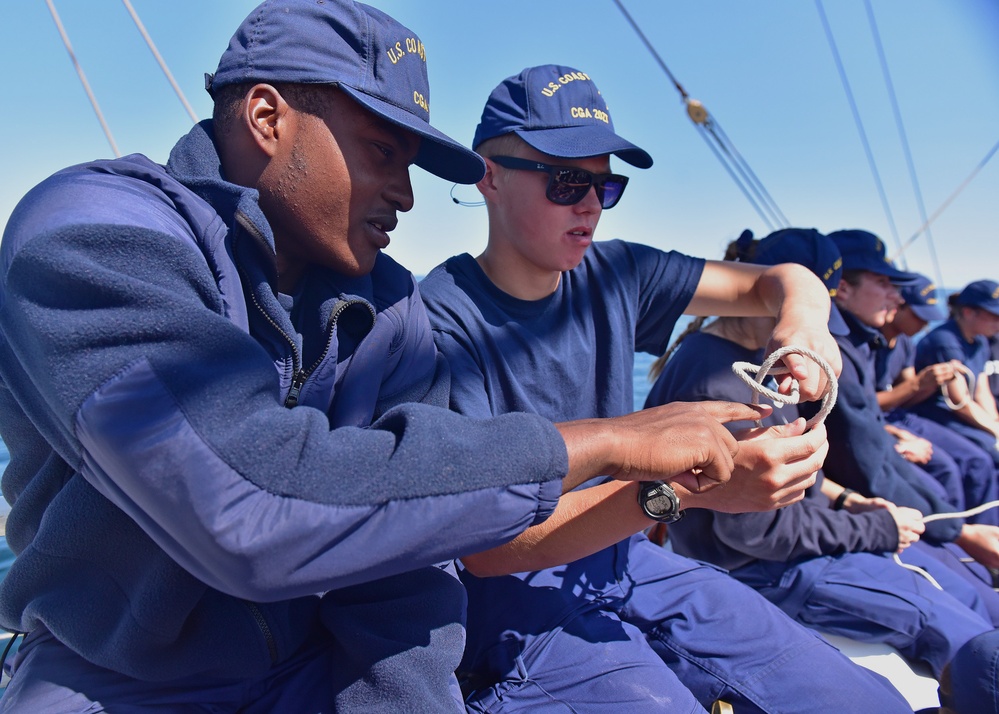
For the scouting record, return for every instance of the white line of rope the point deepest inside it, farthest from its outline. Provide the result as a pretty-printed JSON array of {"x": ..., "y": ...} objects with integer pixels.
[
  {"x": 916, "y": 569},
  {"x": 940, "y": 517},
  {"x": 971, "y": 388},
  {"x": 745, "y": 370}
]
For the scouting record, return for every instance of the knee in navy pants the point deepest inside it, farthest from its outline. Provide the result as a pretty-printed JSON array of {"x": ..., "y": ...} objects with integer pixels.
[{"x": 974, "y": 677}]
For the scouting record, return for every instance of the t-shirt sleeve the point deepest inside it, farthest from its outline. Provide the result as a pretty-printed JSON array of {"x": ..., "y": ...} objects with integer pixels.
[{"x": 666, "y": 283}]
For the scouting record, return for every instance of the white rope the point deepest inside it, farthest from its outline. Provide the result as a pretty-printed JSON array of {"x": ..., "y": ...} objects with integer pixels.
[
  {"x": 971, "y": 388},
  {"x": 940, "y": 517},
  {"x": 918, "y": 570},
  {"x": 745, "y": 370},
  {"x": 962, "y": 514}
]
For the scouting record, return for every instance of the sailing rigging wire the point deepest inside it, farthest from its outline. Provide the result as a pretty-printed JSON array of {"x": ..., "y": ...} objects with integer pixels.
[
  {"x": 719, "y": 143},
  {"x": 936, "y": 214},
  {"x": 903, "y": 138},
  {"x": 159, "y": 60},
  {"x": 83, "y": 78},
  {"x": 857, "y": 120}
]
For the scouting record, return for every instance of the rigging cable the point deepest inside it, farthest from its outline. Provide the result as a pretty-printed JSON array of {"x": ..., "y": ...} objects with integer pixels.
[
  {"x": 856, "y": 118},
  {"x": 83, "y": 78},
  {"x": 736, "y": 166},
  {"x": 159, "y": 59},
  {"x": 936, "y": 214},
  {"x": 903, "y": 138}
]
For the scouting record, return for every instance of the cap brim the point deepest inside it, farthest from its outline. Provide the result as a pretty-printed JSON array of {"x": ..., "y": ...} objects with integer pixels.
[
  {"x": 897, "y": 277},
  {"x": 837, "y": 325},
  {"x": 439, "y": 154},
  {"x": 928, "y": 313},
  {"x": 582, "y": 142}
]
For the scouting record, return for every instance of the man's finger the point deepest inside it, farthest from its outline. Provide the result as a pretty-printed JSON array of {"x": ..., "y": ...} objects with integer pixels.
[{"x": 734, "y": 411}]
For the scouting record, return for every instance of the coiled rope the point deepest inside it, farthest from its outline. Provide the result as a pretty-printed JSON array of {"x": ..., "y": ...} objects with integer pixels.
[
  {"x": 746, "y": 371},
  {"x": 959, "y": 367}
]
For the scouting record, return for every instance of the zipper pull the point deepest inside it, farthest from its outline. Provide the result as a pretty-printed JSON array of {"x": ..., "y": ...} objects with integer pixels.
[{"x": 296, "y": 389}]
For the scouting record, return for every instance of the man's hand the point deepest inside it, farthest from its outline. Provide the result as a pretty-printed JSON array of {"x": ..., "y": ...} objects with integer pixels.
[
  {"x": 913, "y": 448},
  {"x": 981, "y": 542},
  {"x": 910, "y": 524},
  {"x": 932, "y": 376},
  {"x": 685, "y": 443},
  {"x": 773, "y": 468},
  {"x": 812, "y": 381}
]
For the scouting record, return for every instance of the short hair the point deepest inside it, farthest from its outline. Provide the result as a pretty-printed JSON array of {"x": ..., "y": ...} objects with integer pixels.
[
  {"x": 314, "y": 99},
  {"x": 853, "y": 276},
  {"x": 500, "y": 145}
]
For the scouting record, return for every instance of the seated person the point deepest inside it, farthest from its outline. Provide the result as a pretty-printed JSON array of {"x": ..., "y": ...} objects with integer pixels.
[
  {"x": 900, "y": 386},
  {"x": 586, "y": 609},
  {"x": 974, "y": 317},
  {"x": 862, "y": 455},
  {"x": 826, "y": 565}
]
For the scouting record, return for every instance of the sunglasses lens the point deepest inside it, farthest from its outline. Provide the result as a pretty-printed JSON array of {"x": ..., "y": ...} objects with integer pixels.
[
  {"x": 568, "y": 186},
  {"x": 609, "y": 190}
]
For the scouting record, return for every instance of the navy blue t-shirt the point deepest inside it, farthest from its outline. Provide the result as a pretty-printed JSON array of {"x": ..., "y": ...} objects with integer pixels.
[
  {"x": 889, "y": 361},
  {"x": 567, "y": 356},
  {"x": 945, "y": 343}
]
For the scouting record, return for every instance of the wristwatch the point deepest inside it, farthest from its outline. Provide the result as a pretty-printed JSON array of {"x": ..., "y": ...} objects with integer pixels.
[{"x": 659, "y": 502}]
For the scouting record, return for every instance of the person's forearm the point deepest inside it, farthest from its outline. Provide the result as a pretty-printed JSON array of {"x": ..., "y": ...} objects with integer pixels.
[
  {"x": 588, "y": 443},
  {"x": 903, "y": 394},
  {"x": 585, "y": 522}
]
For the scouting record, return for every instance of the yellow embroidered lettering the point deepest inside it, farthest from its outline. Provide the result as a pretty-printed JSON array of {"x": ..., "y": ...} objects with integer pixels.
[
  {"x": 415, "y": 47},
  {"x": 396, "y": 53},
  {"x": 601, "y": 115},
  {"x": 421, "y": 101}
]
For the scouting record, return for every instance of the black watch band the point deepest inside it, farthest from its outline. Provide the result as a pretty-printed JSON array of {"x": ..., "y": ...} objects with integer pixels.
[
  {"x": 659, "y": 502},
  {"x": 841, "y": 499}
]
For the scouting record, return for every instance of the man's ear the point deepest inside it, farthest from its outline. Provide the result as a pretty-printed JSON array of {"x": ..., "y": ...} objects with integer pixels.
[
  {"x": 268, "y": 117},
  {"x": 487, "y": 184},
  {"x": 843, "y": 291}
]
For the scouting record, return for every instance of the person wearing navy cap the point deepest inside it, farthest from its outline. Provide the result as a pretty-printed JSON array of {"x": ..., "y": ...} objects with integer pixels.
[
  {"x": 862, "y": 455},
  {"x": 584, "y": 612},
  {"x": 972, "y": 479},
  {"x": 825, "y": 560},
  {"x": 966, "y": 404},
  {"x": 234, "y": 482}
]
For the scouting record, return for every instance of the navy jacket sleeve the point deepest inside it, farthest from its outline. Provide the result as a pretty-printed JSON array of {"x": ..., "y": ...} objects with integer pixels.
[
  {"x": 861, "y": 455},
  {"x": 118, "y": 345},
  {"x": 701, "y": 370}
]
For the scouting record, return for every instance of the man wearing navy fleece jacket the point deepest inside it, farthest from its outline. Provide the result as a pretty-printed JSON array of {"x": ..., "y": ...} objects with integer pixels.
[{"x": 225, "y": 490}]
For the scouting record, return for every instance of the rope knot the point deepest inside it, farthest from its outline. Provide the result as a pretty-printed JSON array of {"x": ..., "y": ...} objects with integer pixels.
[{"x": 746, "y": 370}]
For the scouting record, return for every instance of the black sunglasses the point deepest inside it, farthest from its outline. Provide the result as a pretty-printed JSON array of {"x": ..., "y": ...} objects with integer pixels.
[{"x": 567, "y": 184}]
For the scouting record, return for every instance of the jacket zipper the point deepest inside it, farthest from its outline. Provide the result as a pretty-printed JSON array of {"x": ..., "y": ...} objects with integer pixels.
[
  {"x": 300, "y": 375},
  {"x": 261, "y": 621}
]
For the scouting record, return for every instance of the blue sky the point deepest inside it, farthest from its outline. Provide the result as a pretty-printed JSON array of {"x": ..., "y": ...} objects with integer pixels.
[{"x": 763, "y": 69}]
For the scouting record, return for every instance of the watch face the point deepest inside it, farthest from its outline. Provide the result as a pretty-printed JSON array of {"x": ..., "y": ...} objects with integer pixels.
[{"x": 660, "y": 504}]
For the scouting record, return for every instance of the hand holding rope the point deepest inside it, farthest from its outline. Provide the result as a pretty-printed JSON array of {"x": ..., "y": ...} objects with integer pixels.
[{"x": 745, "y": 372}]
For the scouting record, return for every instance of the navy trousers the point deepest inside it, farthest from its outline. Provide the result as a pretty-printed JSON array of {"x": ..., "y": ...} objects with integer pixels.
[
  {"x": 977, "y": 483},
  {"x": 637, "y": 626}
]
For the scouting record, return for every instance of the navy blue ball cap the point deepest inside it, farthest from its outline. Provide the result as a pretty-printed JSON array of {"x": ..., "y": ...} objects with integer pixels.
[
  {"x": 981, "y": 293},
  {"x": 807, "y": 247},
  {"x": 921, "y": 297},
  {"x": 804, "y": 246},
  {"x": 560, "y": 112},
  {"x": 862, "y": 250},
  {"x": 372, "y": 58}
]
